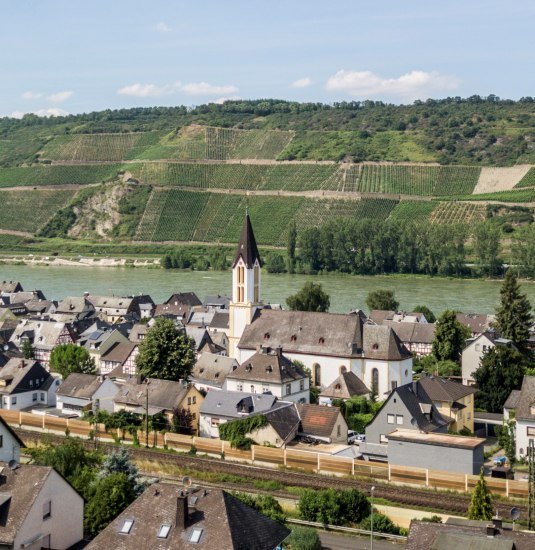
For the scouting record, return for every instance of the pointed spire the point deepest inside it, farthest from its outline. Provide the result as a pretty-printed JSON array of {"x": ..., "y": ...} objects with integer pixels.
[{"x": 247, "y": 248}]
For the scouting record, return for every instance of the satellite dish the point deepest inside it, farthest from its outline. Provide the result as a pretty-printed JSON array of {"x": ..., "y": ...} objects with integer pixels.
[
  {"x": 13, "y": 464},
  {"x": 515, "y": 513},
  {"x": 6, "y": 347},
  {"x": 186, "y": 481}
]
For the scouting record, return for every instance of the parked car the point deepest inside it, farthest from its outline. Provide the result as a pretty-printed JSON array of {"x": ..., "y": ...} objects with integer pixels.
[{"x": 354, "y": 438}]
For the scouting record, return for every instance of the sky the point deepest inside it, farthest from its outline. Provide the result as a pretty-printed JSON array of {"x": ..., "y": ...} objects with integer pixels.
[{"x": 73, "y": 56}]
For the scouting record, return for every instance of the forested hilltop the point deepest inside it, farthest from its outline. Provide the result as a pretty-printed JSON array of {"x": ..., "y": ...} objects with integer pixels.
[{"x": 475, "y": 131}]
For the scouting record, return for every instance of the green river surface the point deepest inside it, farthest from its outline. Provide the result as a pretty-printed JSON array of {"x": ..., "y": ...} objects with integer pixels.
[{"x": 346, "y": 291}]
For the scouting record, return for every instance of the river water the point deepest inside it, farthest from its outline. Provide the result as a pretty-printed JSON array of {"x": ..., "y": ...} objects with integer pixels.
[{"x": 346, "y": 291}]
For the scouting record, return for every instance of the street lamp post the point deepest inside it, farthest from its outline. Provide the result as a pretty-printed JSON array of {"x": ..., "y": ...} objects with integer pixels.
[{"x": 371, "y": 517}]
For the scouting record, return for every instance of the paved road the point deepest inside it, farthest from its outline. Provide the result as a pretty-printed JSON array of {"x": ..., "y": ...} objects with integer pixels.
[{"x": 336, "y": 541}]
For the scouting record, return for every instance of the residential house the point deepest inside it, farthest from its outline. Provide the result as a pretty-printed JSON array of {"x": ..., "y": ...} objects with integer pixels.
[
  {"x": 408, "y": 407},
  {"x": 468, "y": 534},
  {"x": 73, "y": 309},
  {"x": 80, "y": 393},
  {"x": 203, "y": 341},
  {"x": 452, "y": 400},
  {"x": 44, "y": 336},
  {"x": 25, "y": 383},
  {"x": 321, "y": 423},
  {"x": 23, "y": 296},
  {"x": 270, "y": 371},
  {"x": 219, "y": 407},
  {"x": 40, "y": 307},
  {"x": 162, "y": 396},
  {"x": 477, "y": 322},
  {"x": 416, "y": 337},
  {"x": 9, "y": 287},
  {"x": 98, "y": 341},
  {"x": 219, "y": 323},
  {"x": 138, "y": 332},
  {"x": 510, "y": 405},
  {"x": 382, "y": 316},
  {"x": 522, "y": 409},
  {"x": 178, "y": 306},
  {"x": 39, "y": 509},
  {"x": 346, "y": 386},
  {"x": 119, "y": 358},
  {"x": 217, "y": 302},
  {"x": 165, "y": 518},
  {"x": 329, "y": 344},
  {"x": 282, "y": 426},
  {"x": 113, "y": 309},
  {"x": 475, "y": 348},
  {"x": 10, "y": 444},
  {"x": 200, "y": 317},
  {"x": 211, "y": 370}
]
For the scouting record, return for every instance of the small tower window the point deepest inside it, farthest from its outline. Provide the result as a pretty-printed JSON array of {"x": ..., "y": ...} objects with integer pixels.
[
  {"x": 321, "y": 340},
  {"x": 266, "y": 336}
]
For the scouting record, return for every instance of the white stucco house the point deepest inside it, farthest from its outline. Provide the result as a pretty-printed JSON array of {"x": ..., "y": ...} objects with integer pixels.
[{"x": 520, "y": 406}]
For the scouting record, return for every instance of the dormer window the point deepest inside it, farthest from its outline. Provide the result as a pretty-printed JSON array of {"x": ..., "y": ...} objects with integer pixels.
[
  {"x": 269, "y": 368},
  {"x": 249, "y": 367},
  {"x": 321, "y": 340},
  {"x": 375, "y": 346},
  {"x": 266, "y": 336},
  {"x": 532, "y": 409},
  {"x": 293, "y": 338}
]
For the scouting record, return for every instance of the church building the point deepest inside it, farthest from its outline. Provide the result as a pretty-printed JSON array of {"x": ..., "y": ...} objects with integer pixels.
[{"x": 328, "y": 344}]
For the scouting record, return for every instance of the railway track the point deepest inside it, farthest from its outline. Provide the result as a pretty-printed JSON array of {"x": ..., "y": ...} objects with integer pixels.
[{"x": 409, "y": 496}]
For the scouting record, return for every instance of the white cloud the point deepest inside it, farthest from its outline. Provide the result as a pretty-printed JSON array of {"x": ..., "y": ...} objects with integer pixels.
[
  {"x": 60, "y": 97},
  {"x": 194, "y": 88},
  {"x": 32, "y": 95},
  {"x": 162, "y": 27},
  {"x": 149, "y": 90},
  {"x": 302, "y": 83},
  {"x": 52, "y": 111},
  {"x": 203, "y": 88},
  {"x": 221, "y": 100},
  {"x": 409, "y": 86}
]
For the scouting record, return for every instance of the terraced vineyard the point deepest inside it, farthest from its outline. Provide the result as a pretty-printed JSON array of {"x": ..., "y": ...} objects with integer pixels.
[
  {"x": 178, "y": 215},
  {"x": 528, "y": 180},
  {"x": 413, "y": 211},
  {"x": 29, "y": 209},
  {"x": 458, "y": 212},
  {"x": 57, "y": 175},
  {"x": 99, "y": 147}
]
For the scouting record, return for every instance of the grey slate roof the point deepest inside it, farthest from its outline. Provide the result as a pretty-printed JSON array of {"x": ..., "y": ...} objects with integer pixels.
[
  {"x": 268, "y": 365},
  {"x": 163, "y": 394},
  {"x": 283, "y": 420},
  {"x": 476, "y": 322},
  {"x": 381, "y": 342},
  {"x": 247, "y": 249},
  {"x": 213, "y": 369},
  {"x": 441, "y": 389},
  {"x": 525, "y": 409},
  {"x": 347, "y": 385},
  {"x": 226, "y": 523},
  {"x": 45, "y": 334},
  {"x": 466, "y": 535},
  {"x": 17, "y": 374},
  {"x": 415, "y": 333},
  {"x": 20, "y": 490},
  {"x": 10, "y": 286},
  {"x": 184, "y": 298},
  {"x": 119, "y": 352},
  {"x": 216, "y": 301},
  {"x": 220, "y": 320},
  {"x": 80, "y": 385},
  {"x": 230, "y": 403},
  {"x": 512, "y": 400}
]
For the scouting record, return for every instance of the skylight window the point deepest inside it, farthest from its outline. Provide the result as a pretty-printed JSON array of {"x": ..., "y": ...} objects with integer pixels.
[
  {"x": 127, "y": 526},
  {"x": 193, "y": 500},
  {"x": 164, "y": 530},
  {"x": 195, "y": 535}
]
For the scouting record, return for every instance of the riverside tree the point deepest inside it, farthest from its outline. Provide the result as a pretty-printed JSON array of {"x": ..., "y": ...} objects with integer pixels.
[
  {"x": 166, "y": 352},
  {"x": 450, "y": 337},
  {"x": 513, "y": 316},
  {"x": 382, "y": 299},
  {"x": 290, "y": 245},
  {"x": 66, "y": 359},
  {"x": 310, "y": 298},
  {"x": 481, "y": 504}
]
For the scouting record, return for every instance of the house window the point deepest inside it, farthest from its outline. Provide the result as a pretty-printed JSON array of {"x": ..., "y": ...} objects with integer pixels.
[
  {"x": 530, "y": 430},
  {"x": 42, "y": 396},
  {"x": 468, "y": 416},
  {"x": 13, "y": 400},
  {"x": 163, "y": 532},
  {"x": 393, "y": 384},
  {"x": 343, "y": 369},
  {"x": 338, "y": 431},
  {"x": 288, "y": 389},
  {"x": 383, "y": 438},
  {"x": 214, "y": 422},
  {"x": 399, "y": 419},
  {"x": 253, "y": 390},
  {"x": 189, "y": 400},
  {"x": 34, "y": 396},
  {"x": 301, "y": 385},
  {"x": 126, "y": 527},
  {"x": 31, "y": 383},
  {"x": 1, "y": 441},
  {"x": 317, "y": 374},
  {"x": 194, "y": 400},
  {"x": 47, "y": 509},
  {"x": 390, "y": 419},
  {"x": 265, "y": 389},
  {"x": 195, "y": 536},
  {"x": 239, "y": 386}
]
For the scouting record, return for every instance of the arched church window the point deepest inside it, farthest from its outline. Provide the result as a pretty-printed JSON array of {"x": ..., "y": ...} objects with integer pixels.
[
  {"x": 343, "y": 369},
  {"x": 375, "y": 379},
  {"x": 317, "y": 374}
]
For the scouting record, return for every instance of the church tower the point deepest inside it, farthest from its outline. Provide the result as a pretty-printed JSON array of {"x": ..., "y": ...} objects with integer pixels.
[{"x": 245, "y": 286}]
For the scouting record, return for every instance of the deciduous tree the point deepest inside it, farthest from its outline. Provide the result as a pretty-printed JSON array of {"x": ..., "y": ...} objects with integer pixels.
[
  {"x": 382, "y": 299},
  {"x": 166, "y": 352},
  {"x": 310, "y": 298},
  {"x": 66, "y": 359}
]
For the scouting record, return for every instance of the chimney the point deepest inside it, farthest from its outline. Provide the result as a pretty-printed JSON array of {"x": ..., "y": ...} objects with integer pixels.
[
  {"x": 415, "y": 388},
  {"x": 491, "y": 531},
  {"x": 182, "y": 511},
  {"x": 497, "y": 522},
  {"x": 279, "y": 351}
]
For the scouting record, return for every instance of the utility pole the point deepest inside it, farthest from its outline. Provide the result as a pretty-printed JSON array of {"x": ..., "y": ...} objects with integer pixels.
[
  {"x": 531, "y": 482},
  {"x": 371, "y": 516},
  {"x": 147, "y": 415},
  {"x": 96, "y": 431}
]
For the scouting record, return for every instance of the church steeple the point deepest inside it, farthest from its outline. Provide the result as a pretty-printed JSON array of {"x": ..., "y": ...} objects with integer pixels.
[{"x": 247, "y": 249}]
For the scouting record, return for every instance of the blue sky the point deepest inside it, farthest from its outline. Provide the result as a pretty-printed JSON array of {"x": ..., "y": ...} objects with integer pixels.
[{"x": 72, "y": 56}]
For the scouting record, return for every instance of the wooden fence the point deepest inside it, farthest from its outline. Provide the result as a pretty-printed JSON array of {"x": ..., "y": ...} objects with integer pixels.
[{"x": 311, "y": 461}]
